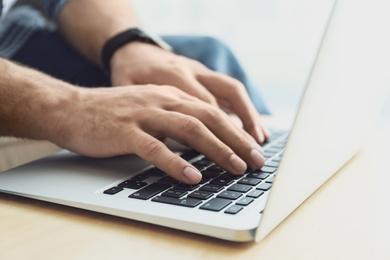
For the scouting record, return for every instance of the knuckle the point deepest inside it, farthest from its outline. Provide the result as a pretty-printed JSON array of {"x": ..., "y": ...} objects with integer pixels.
[
  {"x": 236, "y": 86},
  {"x": 151, "y": 148},
  {"x": 172, "y": 91},
  {"x": 221, "y": 149},
  {"x": 214, "y": 114},
  {"x": 172, "y": 163},
  {"x": 178, "y": 66},
  {"x": 190, "y": 125},
  {"x": 224, "y": 153},
  {"x": 208, "y": 98}
]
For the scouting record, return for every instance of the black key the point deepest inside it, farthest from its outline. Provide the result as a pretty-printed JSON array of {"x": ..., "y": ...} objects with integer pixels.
[
  {"x": 231, "y": 195},
  {"x": 264, "y": 186},
  {"x": 130, "y": 184},
  {"x": 189, "y": 155},
  {"x": 124, "y": 184},
  {"x": 268, "y": 155},
  {"x": 168, "y": 180},
  {"x": 215, "y": 204},
  {"x": 255, "y": 193},
  {"x": 268, "y": 169},
  {"x": 266, "y": 142},
  {"x": 203, "y": 162},
  {"x": 258, "y": 175},
  {"x": 272, "y": 164},
  {"x": 211, "y": 188},
  {"x": 113, "y": 190},
  {"x": 216, "y": 168},
  {"x": 200, "y": 167},
  {"x": 136, "y": 185},
  {"x": 174, "y": 193},
  {"x": 228, "y": 175},
  {"x": 202, "y": 195},
  {"x": 149, "y": 191},
  {"x": 279, "y": 146},
  {"x": 155, "y": 172},
  {"x": 183, "y": 186},
  {"x": 270, "y": 180},
  {"x": 277, "y": 159},
  {"x": 249, "y": 181},
  {"x": 210, "y": 174},
  {"x": 234, "y": 209},
  {"x": 204, "y": 180},
  {"x": 204, "y": 159},
  {"x": 245, "y": 201},
  {"x": 140, "y": 177},
  {"x": 272, "y": 150},
  {"x": 186, "y": 202},
  {"x": 240, "y": 188},
  {"x": 222, "y": 181}
]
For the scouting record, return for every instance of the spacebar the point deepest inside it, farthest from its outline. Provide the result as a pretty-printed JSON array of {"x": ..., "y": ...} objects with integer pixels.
[
  {"x": 149, "y": 191},
  {"x": 187, "y": 202}
]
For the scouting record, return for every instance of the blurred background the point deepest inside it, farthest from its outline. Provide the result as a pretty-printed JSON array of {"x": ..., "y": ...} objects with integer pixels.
[{"x": 275, "y": 40}]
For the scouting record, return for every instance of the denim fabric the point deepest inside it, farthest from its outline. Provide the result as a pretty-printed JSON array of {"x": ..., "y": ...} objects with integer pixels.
[{"x": 53, "y": 7}]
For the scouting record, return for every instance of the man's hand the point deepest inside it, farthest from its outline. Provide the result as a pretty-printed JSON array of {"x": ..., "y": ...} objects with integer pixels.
[
  {"x": 102, "y": 122},
  {"x": 105, "y": 122},
  {"x": 88, "y": 24},
  {"x": 141, "y": 63}
]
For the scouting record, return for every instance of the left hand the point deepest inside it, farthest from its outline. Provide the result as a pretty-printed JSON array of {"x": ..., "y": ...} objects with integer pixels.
[{"x": 142, "y": 63}]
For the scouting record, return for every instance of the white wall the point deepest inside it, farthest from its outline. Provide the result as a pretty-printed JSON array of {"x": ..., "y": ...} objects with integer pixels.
[{"x": 275, "y": 40}]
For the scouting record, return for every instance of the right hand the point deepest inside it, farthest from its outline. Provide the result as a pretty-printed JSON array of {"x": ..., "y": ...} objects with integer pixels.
[
  {"x": 104, "y": 122},
  {"x": 143, "y": 63}
]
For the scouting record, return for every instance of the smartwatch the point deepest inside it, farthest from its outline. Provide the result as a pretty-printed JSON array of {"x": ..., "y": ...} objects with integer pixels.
[{"x": 130, "y": 35}]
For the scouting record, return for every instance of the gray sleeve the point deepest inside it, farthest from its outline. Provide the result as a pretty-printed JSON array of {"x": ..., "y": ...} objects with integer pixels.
[{"x": 53, "y": 7}]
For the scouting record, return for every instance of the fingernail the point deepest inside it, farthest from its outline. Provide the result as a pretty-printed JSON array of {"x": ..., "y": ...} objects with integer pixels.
[
  {"x": 257, "y": 158},
  {"x": 192, "y": 175},
  {"x": 259, "y": 134},
  {"x": 237, "y": 164}
]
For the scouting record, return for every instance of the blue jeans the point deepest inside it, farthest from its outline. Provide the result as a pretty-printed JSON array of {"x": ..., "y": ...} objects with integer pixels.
[{"x": 48, "y": 52}]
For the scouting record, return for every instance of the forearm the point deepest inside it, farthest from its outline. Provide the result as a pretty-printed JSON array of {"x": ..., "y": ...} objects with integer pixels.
[
  {"x": 31, "y": 103},
  {"x": 88, "y": 24}
]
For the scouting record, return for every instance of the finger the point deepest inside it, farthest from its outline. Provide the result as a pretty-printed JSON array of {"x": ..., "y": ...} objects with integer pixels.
[
  {"x": 238, "y": 125},
  {"x": 230, "y": 91},
  {"x": 226, "y": 131},
  {"x": 185, "y": 96},
  {"x": 190, "y": 130},
  {"x": 192, "y": 87},
  {"x": 156, "y": 152},
  {"x": 183, "y": 79}
]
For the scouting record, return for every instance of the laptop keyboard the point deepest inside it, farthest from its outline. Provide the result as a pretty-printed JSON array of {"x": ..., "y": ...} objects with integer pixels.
[{"x": 218, "y": 190}]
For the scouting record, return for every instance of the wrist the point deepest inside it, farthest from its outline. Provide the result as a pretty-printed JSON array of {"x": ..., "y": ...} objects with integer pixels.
[
  {"x": 129, "y": 53},
  {"x": 33, "y": 104},
  {"x": 57, "y": 110}
]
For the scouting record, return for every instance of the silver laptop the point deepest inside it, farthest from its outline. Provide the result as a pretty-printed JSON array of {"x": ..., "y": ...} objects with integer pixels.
[{"x": 343, "y": 97}]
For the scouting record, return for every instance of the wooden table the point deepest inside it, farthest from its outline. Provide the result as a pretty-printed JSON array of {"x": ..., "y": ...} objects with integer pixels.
[{"x": 347, "y": 218}]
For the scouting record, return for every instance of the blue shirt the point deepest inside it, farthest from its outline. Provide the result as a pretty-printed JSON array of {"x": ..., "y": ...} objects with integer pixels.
[{"x": 52, "y": 7}]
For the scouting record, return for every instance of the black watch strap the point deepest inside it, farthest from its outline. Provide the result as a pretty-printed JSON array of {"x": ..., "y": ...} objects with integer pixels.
[{"x": 121, "y": 39}]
